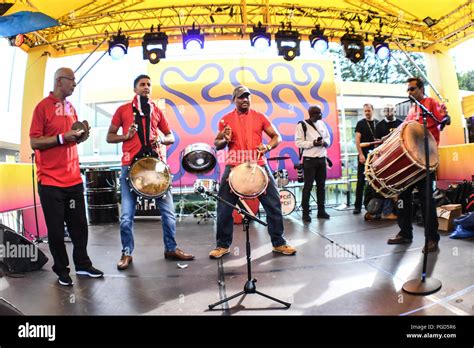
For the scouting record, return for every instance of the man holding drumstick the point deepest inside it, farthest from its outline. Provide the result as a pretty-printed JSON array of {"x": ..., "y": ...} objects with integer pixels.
[{"x": 241, "y": 131}]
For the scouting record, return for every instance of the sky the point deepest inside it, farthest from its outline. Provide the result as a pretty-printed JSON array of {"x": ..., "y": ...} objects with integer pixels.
[{"x": 463, "y": 55}]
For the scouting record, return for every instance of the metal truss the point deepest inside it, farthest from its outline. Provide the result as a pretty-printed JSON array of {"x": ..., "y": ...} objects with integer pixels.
[{"x": 88, "y": 25}]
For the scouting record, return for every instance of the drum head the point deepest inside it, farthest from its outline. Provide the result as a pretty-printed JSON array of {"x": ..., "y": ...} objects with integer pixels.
[
  {"x": 248, "y": 180},
  {"x": 288, "y": 202},
  {"x": 413, "y": 140},
  {"x": 199, "y": 158},
  {"x": 149, "y": 177}
]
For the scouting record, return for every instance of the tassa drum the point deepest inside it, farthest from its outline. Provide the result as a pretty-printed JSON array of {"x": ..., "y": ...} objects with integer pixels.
[
  {"x": 248, "y": 180},
  {"x": 149, "y": 177}
]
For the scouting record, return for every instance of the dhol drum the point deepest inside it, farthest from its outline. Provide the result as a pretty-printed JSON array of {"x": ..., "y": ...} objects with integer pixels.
[
  {"x": 248, "y": 180},
  {"x": 209, "y": 185},
  {"x": 288, "y": 202},
  {"x": 199, "y": 158},
  {"x": 149, "y": 177},
  {"x": 400, "y": 160},
  {"x": 281, "y": 177}
]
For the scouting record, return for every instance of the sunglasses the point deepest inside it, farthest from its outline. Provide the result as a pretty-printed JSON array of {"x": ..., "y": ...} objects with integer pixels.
[{"x": 411, "y": 89}]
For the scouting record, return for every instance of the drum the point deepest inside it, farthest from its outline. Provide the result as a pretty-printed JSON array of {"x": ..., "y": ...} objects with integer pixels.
[
  {"x": 248, "y": 180},
  {"x": 101, "y": 196},
  {"x": 400, "y": 160},
  {"x": 208, "y": 184},
  {"x": 288, "y": 202},
  {"x": 281, "y": 177},
  {"x": 199, "y": 158},
  {"x": 149, "y": 177}
]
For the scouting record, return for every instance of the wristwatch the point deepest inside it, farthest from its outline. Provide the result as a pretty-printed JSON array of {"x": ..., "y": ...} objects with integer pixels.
[{"x": 268, "y": 147}]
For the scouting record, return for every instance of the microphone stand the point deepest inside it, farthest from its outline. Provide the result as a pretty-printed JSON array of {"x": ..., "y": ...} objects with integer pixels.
[
  {"x": 37, "y": 240},
  {"x": 249, "y": 287},
  {"x": 424, "y": 286}
]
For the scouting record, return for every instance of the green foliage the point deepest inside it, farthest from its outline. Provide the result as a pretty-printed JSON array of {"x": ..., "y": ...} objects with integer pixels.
[
  {"x": 466, "y": 80},
  {"x": 372, "y": 69},
  {"x": 191, "y": 207}
]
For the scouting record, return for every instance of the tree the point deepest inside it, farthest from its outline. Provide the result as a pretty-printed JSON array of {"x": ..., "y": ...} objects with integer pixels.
[
  {"x": 466, "y": 80},
  {"x": 372, "y": 69}
]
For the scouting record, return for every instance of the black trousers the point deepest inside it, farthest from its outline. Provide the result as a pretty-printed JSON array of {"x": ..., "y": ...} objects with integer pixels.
[
  {"x": 405, "y": 210},
  {"x": 360, "y": 184},
  {"x": 314, "y": 170},
  {"x": 65, "y": 204}
]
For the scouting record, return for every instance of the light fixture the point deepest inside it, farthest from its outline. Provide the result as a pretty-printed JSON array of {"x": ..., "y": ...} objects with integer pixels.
[
  {"x": 260, "y": 39},
  {"x": 288, "y": 43},
  {"x": 381, "y": 48},
  {"x": 319, "y": 42},
  {"x": 118, "y": 46},
  {"x": 429, "y": 21},
  {"x": 193, "y": 37},
  {"x": 353, "y": 47},
  {"x": 154, "y": 46}
]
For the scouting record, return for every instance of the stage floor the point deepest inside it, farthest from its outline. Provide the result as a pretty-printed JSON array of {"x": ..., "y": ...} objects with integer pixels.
[{"x": 343, "y": 267}]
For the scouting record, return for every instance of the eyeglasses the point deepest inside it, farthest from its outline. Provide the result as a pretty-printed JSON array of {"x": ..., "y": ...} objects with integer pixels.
[
  {"x": 67, "y": 78},
  {"x": 411, "y": 89}
]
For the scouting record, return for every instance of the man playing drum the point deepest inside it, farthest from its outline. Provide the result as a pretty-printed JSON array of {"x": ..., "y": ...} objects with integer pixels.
[
  {"x": 133, "y": 138},
  {"x": 241, "y": 130},
  {"x": 415, "y": 88}
]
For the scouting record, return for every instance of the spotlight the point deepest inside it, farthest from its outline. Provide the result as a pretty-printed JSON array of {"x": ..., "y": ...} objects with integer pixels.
[
  {"x": 154, "y": 46},
  {"x": 260, "y": 39},
  {"x": 353, "y": 47},
  {"x": 381, "y": 48},
  {"x": 118, "y": 46},
  {"x": 319, "y": 41},
  {"x": 288, "y": 43},
  {"x": 193, "y": 37},
  {"x": 429, "y": 21}
]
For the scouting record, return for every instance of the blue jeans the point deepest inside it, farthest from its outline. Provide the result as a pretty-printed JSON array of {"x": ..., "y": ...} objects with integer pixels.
[
  {"x": 129, "y": 204},
  {"x": 270, "y": 201}
]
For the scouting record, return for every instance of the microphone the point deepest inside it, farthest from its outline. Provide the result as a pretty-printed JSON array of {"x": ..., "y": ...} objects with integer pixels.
[{"x": 425, "y": 110}]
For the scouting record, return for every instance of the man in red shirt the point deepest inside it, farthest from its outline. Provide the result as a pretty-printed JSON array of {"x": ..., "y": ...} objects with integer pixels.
[
  {"x": 145, "y": 109},
  {"x": 241, "y": 131},
  {"x": 415, "y": 88},
  {"x": 59, "y": 180}
]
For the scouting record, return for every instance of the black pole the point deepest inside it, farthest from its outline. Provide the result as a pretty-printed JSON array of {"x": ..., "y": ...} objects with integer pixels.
[
  {"x": 424, "y": 286},
  {"x": 249, "y": 287},
  {"x": 37, "y": 239}
]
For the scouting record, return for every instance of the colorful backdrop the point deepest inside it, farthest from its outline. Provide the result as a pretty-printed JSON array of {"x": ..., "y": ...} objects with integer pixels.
[{"x": 195, "y": 96}]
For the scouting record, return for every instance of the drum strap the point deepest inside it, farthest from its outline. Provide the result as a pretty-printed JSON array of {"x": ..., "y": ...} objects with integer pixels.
[{"x": 143, "y": 134}]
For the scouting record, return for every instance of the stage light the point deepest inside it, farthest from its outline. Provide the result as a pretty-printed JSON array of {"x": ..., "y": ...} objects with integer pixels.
[
  {"x": 288, "y": 43},
  {"x": 118, "y": 46},
  {"x": 381, "y": 48},
  {"x": 319, "y": 42},
  {"x": 193, "y": 39},
  {"x": 353, "y": 47},
  {"x": 154, "y": 46},
  {"x": 260, "y": 39},
  {"x": 429, "y": 21}
]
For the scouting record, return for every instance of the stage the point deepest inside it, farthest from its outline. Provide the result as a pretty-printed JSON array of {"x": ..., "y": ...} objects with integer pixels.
[{"x": 343, "y": 267}]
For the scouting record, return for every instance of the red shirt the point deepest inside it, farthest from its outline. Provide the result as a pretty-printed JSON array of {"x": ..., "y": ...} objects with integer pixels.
[
  {"x": 415, "y": 113},
  {"x": 57, "y": 165},
  {"x": 124, "y": 118},
  {"x": 247, "y": 132}
]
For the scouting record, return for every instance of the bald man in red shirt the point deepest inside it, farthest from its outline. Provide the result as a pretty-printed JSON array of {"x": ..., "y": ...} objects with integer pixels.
[
  {"x": 241, "y": 131},
  {"x": 59, "y": 180}
]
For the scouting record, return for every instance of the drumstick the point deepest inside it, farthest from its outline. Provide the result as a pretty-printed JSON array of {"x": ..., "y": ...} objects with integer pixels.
[
  {"x": 371, "y": 143},
  {"x": 255, "y": 164}
]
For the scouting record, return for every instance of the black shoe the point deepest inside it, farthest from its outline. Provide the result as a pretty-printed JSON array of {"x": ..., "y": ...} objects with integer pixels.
[
  {"x": 356, "y": 211},
  {"x": 323, "y": 215},
  {"x": 432, "y": 246},
  {"x": 65, "y": 280},
  {"x": 398, "y": 239},
  {"x": 91, "y": 272},
  {"x": 306, "y": 218}
]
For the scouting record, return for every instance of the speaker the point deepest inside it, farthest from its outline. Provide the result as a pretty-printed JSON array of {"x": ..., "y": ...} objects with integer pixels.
[
  {"x": 18, "y": 254},
  {"x": 6, "y": 308}
]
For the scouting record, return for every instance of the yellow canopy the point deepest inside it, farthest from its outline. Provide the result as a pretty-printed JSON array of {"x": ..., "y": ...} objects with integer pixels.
[{"x": 413, "y": 25}]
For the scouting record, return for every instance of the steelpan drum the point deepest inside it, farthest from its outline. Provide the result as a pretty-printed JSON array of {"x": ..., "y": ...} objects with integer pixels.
[
  {"x": 149, "y": 177},
  {"x": 199, "y": 158}
]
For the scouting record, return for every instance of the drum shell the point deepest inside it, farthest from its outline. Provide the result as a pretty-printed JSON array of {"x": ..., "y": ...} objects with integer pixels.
[
  {"x": 248, "y": 180},
  {"x": 101, "y": 196}
]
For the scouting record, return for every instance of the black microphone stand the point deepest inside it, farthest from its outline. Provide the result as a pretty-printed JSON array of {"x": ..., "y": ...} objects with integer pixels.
[
  {"x": 249, "y": 287},
  {"x": 424, "y": 286},
  {"x": 37, "y": 240}
]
